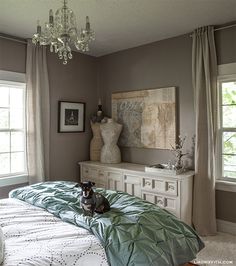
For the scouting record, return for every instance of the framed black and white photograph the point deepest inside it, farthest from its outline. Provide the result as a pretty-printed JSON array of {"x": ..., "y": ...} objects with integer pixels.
[{"x": 71, "y": 117}]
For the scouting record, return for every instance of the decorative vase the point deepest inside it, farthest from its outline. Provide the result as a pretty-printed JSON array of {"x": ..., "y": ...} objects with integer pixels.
[
  {"x": 96, "y": 142},
  {"x": 110, "y": 152}
]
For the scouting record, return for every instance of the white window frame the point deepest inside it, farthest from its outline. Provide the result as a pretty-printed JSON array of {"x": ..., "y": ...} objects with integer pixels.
[
  {"x": 223, "y": 79},
  {"x": 227, "y": 73},
  {"x": 18, "y": 79}
]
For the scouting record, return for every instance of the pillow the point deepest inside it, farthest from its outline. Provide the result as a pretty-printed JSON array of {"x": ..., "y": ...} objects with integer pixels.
[{"x": 1, "y": 246}]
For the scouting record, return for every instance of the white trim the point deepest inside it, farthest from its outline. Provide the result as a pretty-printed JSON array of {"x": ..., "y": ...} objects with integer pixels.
[
  {"x": 12, "y": 76},
  {"x": 227, "y": 73},
  {"x": 226, "y": 227},
  {"x": 13, "y": 180},
  {"x": 226, "y": 186},
  {"x": 10, "y": 83},
  {"x": 227, "y": 69}
]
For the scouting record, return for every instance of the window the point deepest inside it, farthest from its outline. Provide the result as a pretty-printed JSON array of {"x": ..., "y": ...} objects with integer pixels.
[
  {"x": 227, "y": 129},
  {"x": 12, "y": 129}
]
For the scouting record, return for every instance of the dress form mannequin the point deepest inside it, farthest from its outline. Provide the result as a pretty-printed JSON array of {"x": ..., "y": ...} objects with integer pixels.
[
  {"x": 96, "y": 142},
  {"x": 110, "y": 152}
]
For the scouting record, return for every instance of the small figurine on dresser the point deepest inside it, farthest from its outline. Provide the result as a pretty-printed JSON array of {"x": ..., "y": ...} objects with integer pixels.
[
  {"x": 110, "y": 132},
  {"x": 96, "y": 142},
  {"x": 98, "y": 117}
]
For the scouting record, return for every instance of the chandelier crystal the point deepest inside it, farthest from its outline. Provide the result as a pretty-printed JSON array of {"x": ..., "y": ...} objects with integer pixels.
[{"x": 61, "y": 33}]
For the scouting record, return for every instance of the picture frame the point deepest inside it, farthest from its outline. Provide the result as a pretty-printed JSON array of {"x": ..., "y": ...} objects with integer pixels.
[
  {"x": 148, "y": 117},
  {"x": 71, "y": 117}
]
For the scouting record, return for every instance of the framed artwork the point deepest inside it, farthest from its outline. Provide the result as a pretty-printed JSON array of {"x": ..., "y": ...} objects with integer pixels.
[
  {"x": 71, "y": 117},
  {"x": 148, "y": 117}
]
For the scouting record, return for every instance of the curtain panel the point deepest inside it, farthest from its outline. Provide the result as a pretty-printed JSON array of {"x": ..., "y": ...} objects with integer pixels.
[
  {"x": 37, "y": 113},
  {"x": 204, "y": 74}
]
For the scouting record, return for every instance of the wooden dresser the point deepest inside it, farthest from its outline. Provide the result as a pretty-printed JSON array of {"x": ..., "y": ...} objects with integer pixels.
[{"x": 171, "y": 192}]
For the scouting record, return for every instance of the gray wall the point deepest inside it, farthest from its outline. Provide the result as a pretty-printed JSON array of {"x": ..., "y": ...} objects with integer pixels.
[
  {"x": 12, "y": 56},
  {"x": 226, "y": 45},
  {"x": 161, "y": 64},
  {"x": 225, "y": 206},
  {"x": 76, "y": 81}
]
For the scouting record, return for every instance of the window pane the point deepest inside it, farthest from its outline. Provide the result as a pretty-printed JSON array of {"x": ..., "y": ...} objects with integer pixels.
[
  {"x": 229, "y": 142},
  {"x": 4, "y": 142},
  {"x": 16, "y": 119},
  {"x": 4, "y": 163},
  {"x": 4, "y": 118},
  {"x": 229, "y": 116},
  {"x": 16, "y": 98},
  {"x": 17, "y": 162},
  {"x": 4, "y": 96},
  {"x": 12, "y": 144},
  {"x": 17, "y": 141},
  {"x": 229, "y": 168},
  {"x": 229, "y": 92}
]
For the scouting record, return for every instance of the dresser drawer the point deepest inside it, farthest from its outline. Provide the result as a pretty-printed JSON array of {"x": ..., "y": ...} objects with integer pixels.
[
  {"x": 171, "y": 204},
  {"x": 94, "y": 175},
  {"x": 90, "y": 172},
  {"x": 85, "y": 172},
  {"x": 165, "y": 202},
  {"x": 114, "y": 174},
  {"x": 115, "y": 180},
  {"x": 147, "y": 183},
  {"x": 160, "y": 185},
  {"x": 171, "y": 187},
  {"x": 154, "y": 198},
  {"x": 98, "y": 182},
  {"x": 132, "y": 185}
]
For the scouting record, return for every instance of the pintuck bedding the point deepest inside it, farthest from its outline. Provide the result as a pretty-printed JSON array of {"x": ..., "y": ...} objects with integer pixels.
[{"x": 134, "y": 232}]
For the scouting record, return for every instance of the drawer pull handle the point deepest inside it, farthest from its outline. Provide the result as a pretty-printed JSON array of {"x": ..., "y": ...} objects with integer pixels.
[
  {"x": 160, "y": 202},
  {"x": 148, "y": 183},
  {"x": 86, "y": 171},
  {"x": 171, "y": 187}
]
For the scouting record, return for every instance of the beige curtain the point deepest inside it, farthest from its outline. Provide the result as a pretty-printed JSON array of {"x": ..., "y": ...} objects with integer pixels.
[
  {"x": 204, "y": 67},
  {"x": 38, "y": 113}
]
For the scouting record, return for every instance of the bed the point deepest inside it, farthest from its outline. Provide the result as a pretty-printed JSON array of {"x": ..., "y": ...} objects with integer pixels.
[{"x": 39, "y": 221}]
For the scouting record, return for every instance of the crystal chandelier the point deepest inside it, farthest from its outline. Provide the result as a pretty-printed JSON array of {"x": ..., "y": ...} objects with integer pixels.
[{"x": 61, "y": 33}]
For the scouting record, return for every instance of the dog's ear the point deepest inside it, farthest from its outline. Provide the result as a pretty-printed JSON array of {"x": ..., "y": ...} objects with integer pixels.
[
  {"x": 78, "y": 185},
  {"x": 92, "y": 184}
]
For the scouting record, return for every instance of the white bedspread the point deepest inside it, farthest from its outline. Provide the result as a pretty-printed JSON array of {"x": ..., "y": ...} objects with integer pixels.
[{"x": 35, "y": 237}]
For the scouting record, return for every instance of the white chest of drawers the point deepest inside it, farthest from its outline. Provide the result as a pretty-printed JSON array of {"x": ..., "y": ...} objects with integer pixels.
[{"x": 171, "y": 192}]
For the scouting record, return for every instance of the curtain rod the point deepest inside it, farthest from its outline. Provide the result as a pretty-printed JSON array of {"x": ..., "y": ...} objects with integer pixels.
[
  {"x": 225, "y": 27},
  {"x": 220, "y": 28},
  {"x": 14, "y": 39}
]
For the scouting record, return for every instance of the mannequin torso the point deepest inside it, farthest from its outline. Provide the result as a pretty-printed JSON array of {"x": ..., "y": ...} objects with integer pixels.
[{"x": 110, "y": 152}]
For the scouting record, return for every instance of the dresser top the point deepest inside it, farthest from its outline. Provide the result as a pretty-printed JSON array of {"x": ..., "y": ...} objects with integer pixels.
[{"x": 132, "y": 167}]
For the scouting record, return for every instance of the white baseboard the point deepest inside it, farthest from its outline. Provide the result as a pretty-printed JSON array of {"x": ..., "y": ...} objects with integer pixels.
[{"x": 226, "y": 227}]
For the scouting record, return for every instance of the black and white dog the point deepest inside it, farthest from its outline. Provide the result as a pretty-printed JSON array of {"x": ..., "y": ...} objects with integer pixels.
[{"x": 91, "y": 201}]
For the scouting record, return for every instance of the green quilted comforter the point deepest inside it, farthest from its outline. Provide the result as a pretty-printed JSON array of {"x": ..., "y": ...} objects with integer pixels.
[{"x": 134, "y": 232}]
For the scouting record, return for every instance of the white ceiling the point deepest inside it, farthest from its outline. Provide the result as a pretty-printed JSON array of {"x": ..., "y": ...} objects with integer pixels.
[{"x": 120, "y": 24}]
